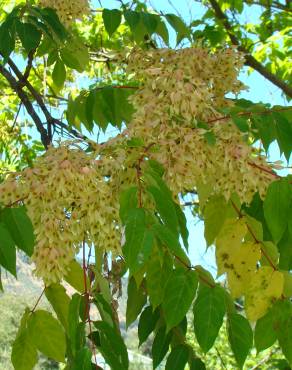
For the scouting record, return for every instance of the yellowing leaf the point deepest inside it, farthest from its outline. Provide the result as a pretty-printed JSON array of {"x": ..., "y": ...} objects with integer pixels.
[
  {"x": 265, "y": 286},
  {"x": 242, "y": 267},
  {"x": 228, "y": 242}
]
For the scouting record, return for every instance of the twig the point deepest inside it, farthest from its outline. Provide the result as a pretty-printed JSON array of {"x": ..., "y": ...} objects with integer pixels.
[{"x": 38, "y": 300}]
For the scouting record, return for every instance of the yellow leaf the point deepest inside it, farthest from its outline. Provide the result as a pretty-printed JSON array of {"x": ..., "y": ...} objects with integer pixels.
[
  {"x": 265, "y": 286},
  {"x": 228, "y": 242}
]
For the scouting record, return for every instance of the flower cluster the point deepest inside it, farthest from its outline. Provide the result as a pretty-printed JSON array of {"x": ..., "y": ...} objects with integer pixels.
[
  {"x": 68, "y": 10},
  {"x": 180, "y": 90},
  {"x": 69, "y": 202}
]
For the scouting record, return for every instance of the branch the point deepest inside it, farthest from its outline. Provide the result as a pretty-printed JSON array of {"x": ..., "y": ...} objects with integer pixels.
[
  {"x": 249, "y": 59},
  {"x": 16, "y": 86}
]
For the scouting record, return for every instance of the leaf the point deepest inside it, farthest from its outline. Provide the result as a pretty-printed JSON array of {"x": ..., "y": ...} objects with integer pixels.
[
  {"x": 177, "y": 358},
  {"x": 128, "y": 201},
  {"x": 265, "y": 334},
  {"x": 168, "y": 239},
  {"x": 165, "y": 207},
  {"x": 160, "y": 346},
  {"x": 214, "y": 216},
  {"x": 277, "y": 207},
  {"x": 20, "y": 227},
  {"x": 157, "y": 274},
  {"x": 209, "y": 311},
  {"x": 74, "y": 331},
  {"x": 47, "y": 335},
  {"x": 240, "y": 337},
  {"x": 150, "y": 22},
  {"x": 178, "y": 25},
  {"x": 147, "y": 322},
  {"x": 285, "y": 338},
  {"x": 112, "y": 346},
  {"x": 56, "y": 295},
  {"x": 7, "y": 38},
  {"x": 24, "y": 353},
  {"x": 179, "y": 293},
  {"x": 59, "y": 74},
  {"x": 112, "y": 19},
  {"x": 283, "y": 134},
  {"x": 75, "y": 55},
  {"x": 75, "y": 276},
  {"x": 139, "y": 240},
  {"x": 266, "y": 286},
  {"x": 7, "y": 250},
  {"x": 29, "y": 35},
  {"x": 82, "y": 360},
  {"x": 162, "y": 31},
  {"x": 132, "y": 18},
  {"x": 197, "y": 364},
  {"x": 137, "y": 299}
]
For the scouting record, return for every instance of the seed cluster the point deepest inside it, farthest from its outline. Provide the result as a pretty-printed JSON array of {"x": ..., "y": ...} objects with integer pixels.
[
  {"x": 180, "y": 90},
  {"x": 68, "y": 10}
]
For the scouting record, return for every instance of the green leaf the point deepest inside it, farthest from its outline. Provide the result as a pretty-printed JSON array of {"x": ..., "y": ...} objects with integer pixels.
[
  {"x": 162, "y": 31},
  {"x": 265, "y": 334},
  {"x": 214, "y": 216},
  {"x": 150, "y": 22},
  {"x": 75, "y": 329},
  {"x": 160, "y": 346},
  {"x": 20, "y": 227},
  {"x": 197, "y": 364},
  {"x": 7, "y": 250},
  {"x": 277, "y": 207},
  {"x": 157, "y": 274},
  {"x": 179, "y": 26},
  {"x": 168, "y": 239},
  {"x": 132, "y": 18},
  {"x": 137, "y": 299},
  {"x": 209, "y": 311},
  {"x": 29, "y": 35},
  {"x": 285, "y": 250},
  {"x": 112, "y": 19},
  {"x": 128, "y": 201},
  {"x": 240, "y": 337},
  {"x": 59, "y": 74},
  {"x": 179, "y": 293},
  {"x": 182, "y": 221},
  {"x": 47, "y": 335},
  {"x": 7, "y": 38},
  {"x": 75, "y": 55},
  {"x": 283, "y": 134},
  {"x": 147, "y": 323},
  {"x": 177, "y": 358},
  {"x": 112, "y": 346},
  {"x": 82, "y": 360},
  {"x": 56, "y": 295},
  {"x": 75, "y": 276},
  {"x": 139, "y": 240},
  {"x": 285, "y": 339},
  {"x": 241, "y": 122},
  {"x": 165, "y": 208},
  {"x": 24, "y": 353}
]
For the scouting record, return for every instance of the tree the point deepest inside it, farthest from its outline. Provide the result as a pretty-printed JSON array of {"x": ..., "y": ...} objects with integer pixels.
[{"x": 69, "y": 73}]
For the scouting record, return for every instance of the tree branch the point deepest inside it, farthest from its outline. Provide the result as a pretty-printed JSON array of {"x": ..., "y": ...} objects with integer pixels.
[
  {"x": 249, "y": 59},
  {"x": 16, "y": 86}
]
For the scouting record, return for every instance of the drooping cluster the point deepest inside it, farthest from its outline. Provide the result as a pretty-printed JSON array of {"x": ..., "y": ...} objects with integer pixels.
[
  {"x": 69, "y": 202},
  {"x": 177, "y": 107},
  {"x": 68, "y": 10}
]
